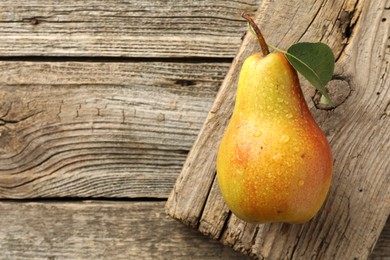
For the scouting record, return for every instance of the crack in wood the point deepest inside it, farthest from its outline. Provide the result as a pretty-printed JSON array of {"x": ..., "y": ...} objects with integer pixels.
[
  {"x": 348, "y": 21},
  {"x": 309, "y": 26},
  {"x": 4, "y": 121}
]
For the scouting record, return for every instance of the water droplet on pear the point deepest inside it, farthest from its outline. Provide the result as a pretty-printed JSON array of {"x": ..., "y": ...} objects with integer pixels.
[
  {"x": 257, "y": 133},
  {"x": 284, "y": 139},
  {"x": 276, "y": 156}
]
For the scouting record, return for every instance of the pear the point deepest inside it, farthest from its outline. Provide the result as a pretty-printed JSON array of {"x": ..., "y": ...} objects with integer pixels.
[{"x": 274, "y": 163}]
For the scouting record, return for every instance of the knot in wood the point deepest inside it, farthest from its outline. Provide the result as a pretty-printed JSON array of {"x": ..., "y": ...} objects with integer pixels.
[
  {"x": 338, "y": 89},
  {"x": 34, "y": 21}
]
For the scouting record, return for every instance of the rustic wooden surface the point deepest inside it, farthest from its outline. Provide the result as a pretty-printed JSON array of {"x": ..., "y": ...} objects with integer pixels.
[
  {"x": 100, "y": 230},
  {"x": 103, "y": 100},
  {"x": 100, "y": 129},
  {"x": 120, "y": 28},
  {"x": 382, "y": 248},
  {"x": 358, "y": 128}
]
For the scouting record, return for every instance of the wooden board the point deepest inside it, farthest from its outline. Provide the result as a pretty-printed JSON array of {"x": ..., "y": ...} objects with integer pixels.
[
  {"x": 134, "y": 28},
  {"x": 83, "y": 85},
  {"x": 382, "y": 247},
  {"x": 108, "y": 229},
  {"x": 100, "y": 230},
  {"x": 358, "y": 129},
  {"x": 94, "y": 129}
]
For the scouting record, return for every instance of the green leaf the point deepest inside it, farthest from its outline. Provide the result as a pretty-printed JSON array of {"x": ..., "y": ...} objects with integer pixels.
[{"x": 315, "y": 61}]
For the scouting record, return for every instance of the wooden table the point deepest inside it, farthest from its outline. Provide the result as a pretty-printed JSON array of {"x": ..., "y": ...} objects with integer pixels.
[{"x": 100, "y": 102}]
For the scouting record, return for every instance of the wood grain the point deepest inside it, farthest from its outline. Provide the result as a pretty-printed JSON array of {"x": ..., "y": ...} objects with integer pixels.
[
  {"x": 100, "y": 129},
  {"x": 382, "y": 247},
  {"x": 358, "y": 204},
  {"x": 120, "y": 28},
  {"x": 122, "y": 129},
  {"x": 107, "y": 229},
  {"x": 100, "y": 230}
]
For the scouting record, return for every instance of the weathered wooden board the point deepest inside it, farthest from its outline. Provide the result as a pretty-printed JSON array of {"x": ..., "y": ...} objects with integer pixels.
[
  {"x": 181, "y": 28},
  {"x": 382, "y": 247},
  {"x": 358, "y": 129},
  {"x": 121, "y": 129},
  {"x": 100, "y": 230},
  {"x": 109, "y": 230},
  {"x": 92, "y": 129}
]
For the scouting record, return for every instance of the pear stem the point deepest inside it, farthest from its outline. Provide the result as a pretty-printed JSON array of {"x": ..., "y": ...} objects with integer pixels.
[{"x": 263, "y": 44}]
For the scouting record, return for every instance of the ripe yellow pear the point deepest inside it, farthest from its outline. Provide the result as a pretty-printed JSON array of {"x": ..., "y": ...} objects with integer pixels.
[{"x": 274, "y": 163}]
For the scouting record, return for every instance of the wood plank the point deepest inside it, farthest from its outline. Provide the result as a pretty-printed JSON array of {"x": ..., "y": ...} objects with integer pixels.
[
  {"x": 358, "y": 204},
  {"x": 382, "y": 247},
  {"x": 122, "y": 28},
  {"x": 115, "y": 230},
  {"x": 92, "y": 129},
  {"x": 100, "y": 230}
]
